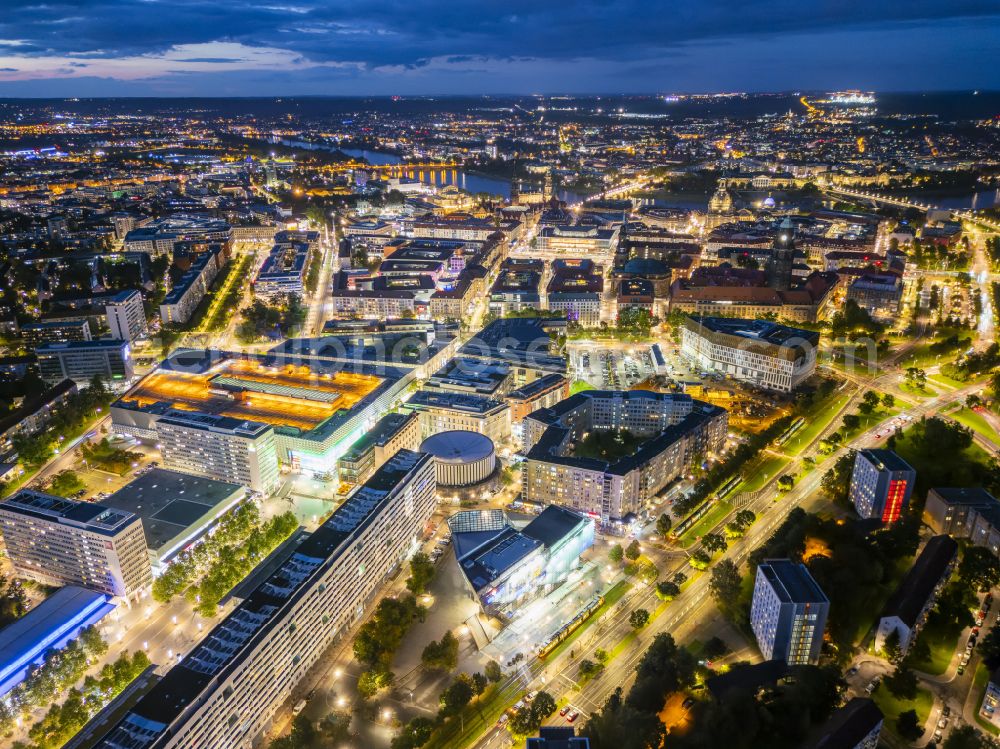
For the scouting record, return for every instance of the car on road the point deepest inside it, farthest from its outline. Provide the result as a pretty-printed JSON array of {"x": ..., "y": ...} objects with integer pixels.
[
  {"x": 942, "y": 723},
  {"x": 530, "y": 696},
  {"x": 573, "y": 715},
  {"x": 961, "y": 670},
  {"x": 519, "y": 704},
  {"x": 946, "y": 711},
  {"x": 688, "y": 703},
  {"x": 562, "y": 713},
  {"x": 852, "y": 670},
  {"x": 503, "y": 719}
]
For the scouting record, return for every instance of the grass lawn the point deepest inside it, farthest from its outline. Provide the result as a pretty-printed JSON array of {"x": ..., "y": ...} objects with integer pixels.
[
  {"x": 578, "y": 386},
  {"x": 975, "y": 422},
  {"x": 718, "y": 511},
  {"x": 872, "y": 419},
  {"x": 771, "y": 466},
  {"x": 817, "y": 419},
  {"x": 942, "y": 646},
  {"x": 949, "y": 384},
  {"x": 926, "y": 392},
  {"x": 607, "y": 445},
  {"x": 612, "y": 597},
  {"x": 891, "y": 706}
]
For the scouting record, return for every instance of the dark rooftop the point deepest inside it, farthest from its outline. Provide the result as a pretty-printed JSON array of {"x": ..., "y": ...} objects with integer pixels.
[
  {"x": 849, "y": 725},
  {"x": 918, "y": 585}
]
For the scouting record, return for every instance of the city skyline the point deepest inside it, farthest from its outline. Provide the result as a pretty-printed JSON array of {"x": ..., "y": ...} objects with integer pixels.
[{"x": 194, "y": 49}]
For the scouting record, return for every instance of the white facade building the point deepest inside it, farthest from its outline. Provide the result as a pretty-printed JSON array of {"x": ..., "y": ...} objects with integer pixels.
[
  {"x": 788, "y": 614},
  {"x": 126, "y": 316},
  {"x": 220, "y": 447},
  {"x": 227, "y": 691},
  {"x": 58, "y": 541},
  {"x": 761, "y": 353}
]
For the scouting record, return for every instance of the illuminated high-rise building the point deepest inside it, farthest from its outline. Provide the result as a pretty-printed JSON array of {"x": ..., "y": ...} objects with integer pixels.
[
  {"x": 881, "y": 484},
  {"x": 789, "y": 611}
]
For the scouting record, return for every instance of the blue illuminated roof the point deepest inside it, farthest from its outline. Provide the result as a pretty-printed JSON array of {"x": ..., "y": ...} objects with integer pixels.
[{"x": 50, "y": 625}]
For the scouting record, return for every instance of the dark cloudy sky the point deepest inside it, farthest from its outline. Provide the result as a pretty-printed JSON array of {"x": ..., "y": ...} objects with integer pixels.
[{"x": 284, "y": 47}]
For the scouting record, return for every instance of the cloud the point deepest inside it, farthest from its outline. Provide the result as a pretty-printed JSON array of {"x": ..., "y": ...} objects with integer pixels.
[{"x": 143, "y": 39}]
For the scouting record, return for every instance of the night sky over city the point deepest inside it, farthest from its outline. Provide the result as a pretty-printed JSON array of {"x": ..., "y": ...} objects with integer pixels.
[{"x": 298, "y": 47}]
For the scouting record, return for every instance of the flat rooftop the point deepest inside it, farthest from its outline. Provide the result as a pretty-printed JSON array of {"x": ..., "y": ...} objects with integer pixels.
[
  {"x": 170, "y": 503},
  {"x": 285, "y": 395},
  {"x": 47, "y": 626},
  {"x": 758, "y": 330},
  {"x": 792, "y": 581},
  {"x": 97, "y": 518}
]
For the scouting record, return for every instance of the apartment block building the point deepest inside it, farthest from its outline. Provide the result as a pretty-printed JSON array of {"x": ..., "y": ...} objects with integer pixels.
[
  {"x": 789, "y": 612},
  {"x": 227, "y": 691},
  {"x": 58, "y": 541},
  {"x": 444, "y": 411},
  {"x": 881, "y": 484},
  {"x": 758, "y": 352},
  {"x": 81, "y": 360},
  {"x": 220, "y": 447},
  {"x": 126, "y": 315}
]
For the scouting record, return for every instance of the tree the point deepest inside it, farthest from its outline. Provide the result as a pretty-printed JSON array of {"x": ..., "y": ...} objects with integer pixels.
[
  {"x": 989, "y": 648},
  {"x": 616, "y": 553},
  {"x": 456, "y": 696},
  {"x": 713, "y": 542},
  {"x": 667, "y": 591},
  {"x": 891, "y": 648},
  {"x": 979, "y": 568},
  {"x": 543, "y": 706},
  {"x": 588, "y": 668},
  {"x": 529, "y": 718},
  {"x": 716, "y": 647},
  {"x": 786, "y": 482},
  {"x": 836, "y": 482},
  {"x": 371, "y": 682},
  {"x": 479, "y": 683},
  {"x": 699, "y": 559},
  {"x": 888, "y": 400},
  {"x": 871, "y": 400},
  {"x": 852, "y": 422},
  {"x": 66, "y": 483},
  {"x": 493, "y": 671},
  {"x": 725, "y": 583},
  {"x": 632, "y": 551},
  {"x": 967, "y": 737},
  {"x": 663, "y": 525},
  {"x": 414, "y": 734},
  {"x": 638, "y": 618},
  {"x": 441, "y": 656},
  {"x": 902, "y": 682},
  {"x": 745, "y": 518},
  {"x": 32, "y": 449},
  {"x": 421, "y": 573},
  {"x": 908, "y": 725}
]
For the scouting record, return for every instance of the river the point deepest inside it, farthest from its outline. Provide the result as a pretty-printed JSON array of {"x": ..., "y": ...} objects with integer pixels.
[{"x": 468, "y": 181}]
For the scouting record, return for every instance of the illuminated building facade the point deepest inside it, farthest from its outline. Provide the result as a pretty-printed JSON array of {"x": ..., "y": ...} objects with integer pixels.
[
  {"x": 228, "y": 690},
  {"x": 58, "y": 541},
  {"x": 678, "y": 431},
  {"x": 788, "y": 614},
  {"x": 881, "y": 485},
  {"x": 505, "y": 568}
]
